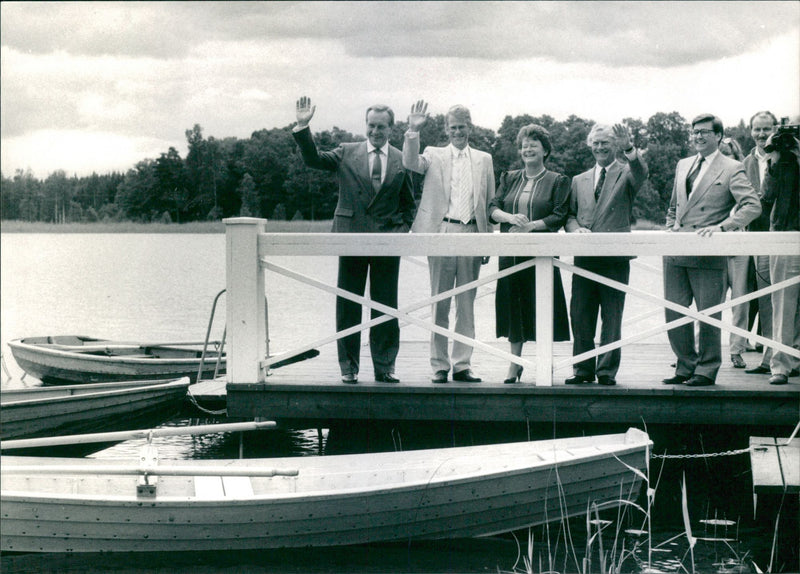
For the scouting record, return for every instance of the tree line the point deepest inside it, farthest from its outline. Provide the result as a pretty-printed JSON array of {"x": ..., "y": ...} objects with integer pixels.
[{"x": 264, "y": 175}]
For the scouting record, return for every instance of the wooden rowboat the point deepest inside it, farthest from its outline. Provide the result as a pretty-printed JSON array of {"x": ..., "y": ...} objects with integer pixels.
[
  {"x": 46, "y": 411},
  {"x": 91, "y": 505},
  {"x": 75, "y": 359}
]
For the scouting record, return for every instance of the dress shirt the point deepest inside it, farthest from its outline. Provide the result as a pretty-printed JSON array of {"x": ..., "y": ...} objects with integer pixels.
[
  {"x": 763, "y": 163},
  {"x": 597, "y": 169},
  {"x": 452, "y": 208},
  {"x": 704, "y": 166},
  {"x": 384, "y": 158}
]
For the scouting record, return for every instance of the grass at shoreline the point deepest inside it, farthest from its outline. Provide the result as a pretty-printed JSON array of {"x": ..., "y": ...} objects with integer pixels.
[{"x": 133, "y": 227}]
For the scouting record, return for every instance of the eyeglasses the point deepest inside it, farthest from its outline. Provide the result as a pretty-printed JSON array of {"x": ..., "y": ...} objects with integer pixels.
[{"x": 701, "y": 132}]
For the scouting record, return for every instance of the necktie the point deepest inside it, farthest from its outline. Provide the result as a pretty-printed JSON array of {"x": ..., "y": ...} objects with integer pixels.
[
  {"x": 464, "y": 188},
  {"x": 690, "y": 179},
  {"x": 376, "y": 171},
  {"x": 599, "y": 187}
]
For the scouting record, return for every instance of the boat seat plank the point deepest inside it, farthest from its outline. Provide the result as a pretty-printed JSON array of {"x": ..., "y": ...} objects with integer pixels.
[
  {"x": 237, "y": 486},
  {"x": 208, "y": 487}
]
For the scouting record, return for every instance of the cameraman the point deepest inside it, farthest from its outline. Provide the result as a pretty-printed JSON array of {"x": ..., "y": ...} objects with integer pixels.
[{"x": 782, "y": 197}]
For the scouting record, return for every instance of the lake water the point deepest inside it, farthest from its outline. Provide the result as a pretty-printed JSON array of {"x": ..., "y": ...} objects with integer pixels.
[{"x": 160, "y": 287}]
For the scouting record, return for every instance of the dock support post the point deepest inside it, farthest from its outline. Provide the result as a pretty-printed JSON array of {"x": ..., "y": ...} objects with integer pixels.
[
  {"x": 245, "y": 303},
  {"x": 544, "y": 321}
]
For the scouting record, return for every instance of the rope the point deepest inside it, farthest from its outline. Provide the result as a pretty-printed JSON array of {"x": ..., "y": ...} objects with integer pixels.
[
  {"x": 203, "y": 409},
  {"x": 705, "y": 455}
]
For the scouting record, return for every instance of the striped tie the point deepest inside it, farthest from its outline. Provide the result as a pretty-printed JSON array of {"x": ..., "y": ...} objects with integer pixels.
[
  {"x": 464, "y": 188},
  {"x": 692, "y": 177}
]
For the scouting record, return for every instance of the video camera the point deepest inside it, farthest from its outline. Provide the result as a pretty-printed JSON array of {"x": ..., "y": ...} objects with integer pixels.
[{"x": 784, "y": 138}]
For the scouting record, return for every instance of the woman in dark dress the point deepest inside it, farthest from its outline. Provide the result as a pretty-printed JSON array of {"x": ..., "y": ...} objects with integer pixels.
[{"x": 529, "y": 200}]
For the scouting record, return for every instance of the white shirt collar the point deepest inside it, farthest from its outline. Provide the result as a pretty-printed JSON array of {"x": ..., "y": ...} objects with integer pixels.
[
  {"x": 384, "y": 148},
  {"x": 711, "y": 157},
  {"x": 455, "y": 151},
  {"x": 598, "y": 167}
]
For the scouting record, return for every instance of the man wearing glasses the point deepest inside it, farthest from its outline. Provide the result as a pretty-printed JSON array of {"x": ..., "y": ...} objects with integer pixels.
[{"x": 707, "y": 187}]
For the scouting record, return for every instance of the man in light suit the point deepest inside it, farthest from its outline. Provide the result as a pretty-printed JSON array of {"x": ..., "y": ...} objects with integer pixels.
[
  {"x": 707, "y": 187},
  {"x": 762, "y": 125},
  {"x": 458, "y": 185},
  {"x": 601, "y": 201},
  {"x": 374, "y": 196}
]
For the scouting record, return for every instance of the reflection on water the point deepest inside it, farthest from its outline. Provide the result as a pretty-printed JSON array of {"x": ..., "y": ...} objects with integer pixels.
[{"x": 160, "y": 288}]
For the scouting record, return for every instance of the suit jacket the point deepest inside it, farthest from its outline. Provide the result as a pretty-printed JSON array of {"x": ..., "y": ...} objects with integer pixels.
[
  {"x": 550, "y": 206},
  {"x": 723, "y": 186},
  {"x": 612, "y": 213},
  {"x": 360, "y": 209},
  {"x": 760, "y": 223},
  {"x": 437, "y": 165}
]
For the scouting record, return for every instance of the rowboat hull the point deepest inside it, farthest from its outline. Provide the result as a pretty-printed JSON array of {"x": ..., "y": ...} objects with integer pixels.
[
  {"x": 72, "y": 359},
  {"x": 47, "y": 411},
  {"x": 333, "y": 500}
]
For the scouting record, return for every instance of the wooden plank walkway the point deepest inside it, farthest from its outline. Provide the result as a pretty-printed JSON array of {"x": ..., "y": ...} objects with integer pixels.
[
  {"x": 775, "y": 464},
  {"x": 311, "y": 393}
]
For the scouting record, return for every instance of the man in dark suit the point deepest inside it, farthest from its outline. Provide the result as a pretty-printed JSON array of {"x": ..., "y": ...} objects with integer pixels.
[
  {"x": 374, "y": 196},
  {"x": 707, "y": 187},
  {"x": 762, "y": 125},
  {"x": 601, "y": 201}
]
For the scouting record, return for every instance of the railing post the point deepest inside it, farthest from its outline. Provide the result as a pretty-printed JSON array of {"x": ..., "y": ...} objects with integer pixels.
[
  {"x": 245, "y": 303},
  {"x": 544, "y": 321}
]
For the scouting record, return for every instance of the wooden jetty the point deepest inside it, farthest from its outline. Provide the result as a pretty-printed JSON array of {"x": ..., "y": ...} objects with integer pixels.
[
  {"x": 776, "y": 465},
  {"x": 311, "y": 392}
]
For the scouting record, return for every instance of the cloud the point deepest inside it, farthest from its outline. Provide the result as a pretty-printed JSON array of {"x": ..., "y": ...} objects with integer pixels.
[{"x": 662, "y": 34}]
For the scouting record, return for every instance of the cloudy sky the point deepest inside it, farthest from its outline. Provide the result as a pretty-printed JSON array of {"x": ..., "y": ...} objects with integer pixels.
[{"x": 98, "y": 86}]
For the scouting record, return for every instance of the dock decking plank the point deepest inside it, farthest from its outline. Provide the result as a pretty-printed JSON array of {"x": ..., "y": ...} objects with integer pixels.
[{"x": 311, "y": 391}]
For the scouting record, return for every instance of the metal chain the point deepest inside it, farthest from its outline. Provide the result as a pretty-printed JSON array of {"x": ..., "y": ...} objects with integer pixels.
[
  {"x": 707, "y": 455},
  {"x": 205, "y": 410}
]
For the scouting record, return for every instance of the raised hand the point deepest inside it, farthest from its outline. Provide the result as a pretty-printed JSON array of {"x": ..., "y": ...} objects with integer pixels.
[
  {"x": 418, "y": 116},
  {"x": 621, "y": 137},
  {"x": 305, "y": 111}
]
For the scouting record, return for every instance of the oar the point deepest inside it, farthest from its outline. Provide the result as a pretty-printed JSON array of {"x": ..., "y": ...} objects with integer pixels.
[
  {"x": 133, "y": 435},
  {"x": 127, "y": 469}
]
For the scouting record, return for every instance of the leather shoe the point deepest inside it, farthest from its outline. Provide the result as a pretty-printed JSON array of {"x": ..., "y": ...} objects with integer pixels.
[
  {"x": 676, "y": 380},
  {"x": 699, "y": 381},
  {"x": 579, "y": 380},
  {"x": 778, "y": 380},
  {"x": 439, "y": 377},
  {"x": 386, "y": 378},
  {"x": 605, "y": 380},
  {"x": 466, "y": 376},
  {"x": 738, "y": 362},
  {"x": 759, "y": 370},
  {"x": 350, "y": 379}
]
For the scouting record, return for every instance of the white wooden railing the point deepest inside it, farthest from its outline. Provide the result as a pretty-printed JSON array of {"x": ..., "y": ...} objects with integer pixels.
[{"x": 249, "y": 248}]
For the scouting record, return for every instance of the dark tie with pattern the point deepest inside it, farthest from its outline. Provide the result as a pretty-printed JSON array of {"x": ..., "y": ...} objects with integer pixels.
[
  {"x": 376, "y": 171},
  {"x": 690, "y": 179},
  {"x": 599, "y": 187}
]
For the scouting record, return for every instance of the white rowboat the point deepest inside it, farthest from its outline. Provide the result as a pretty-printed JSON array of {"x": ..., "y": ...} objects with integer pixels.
[
  {"x": 82, "y": 505},
  {"x": 45, "y": 411},
  {"x": 75, "y": 359}
]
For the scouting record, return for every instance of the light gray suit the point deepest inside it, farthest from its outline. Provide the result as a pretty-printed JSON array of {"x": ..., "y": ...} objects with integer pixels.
[
  {"x": 446, "y": 272},
  {"x": 700, "y": 278}
]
